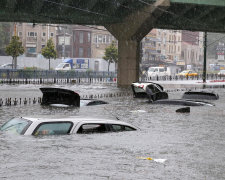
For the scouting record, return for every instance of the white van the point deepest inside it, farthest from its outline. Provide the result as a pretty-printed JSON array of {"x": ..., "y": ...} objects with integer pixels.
[{"x": 156, "y": 71}]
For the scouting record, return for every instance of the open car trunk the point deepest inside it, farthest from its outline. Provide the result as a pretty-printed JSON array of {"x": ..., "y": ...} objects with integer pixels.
[{"x": 60, "y": 96}]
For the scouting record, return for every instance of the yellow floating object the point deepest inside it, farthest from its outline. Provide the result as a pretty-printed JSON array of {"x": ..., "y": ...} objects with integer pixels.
[{"x": 147, "y": 158}]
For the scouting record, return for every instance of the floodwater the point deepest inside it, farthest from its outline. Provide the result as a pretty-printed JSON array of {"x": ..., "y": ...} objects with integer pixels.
[{"x": 193, "y": 144}]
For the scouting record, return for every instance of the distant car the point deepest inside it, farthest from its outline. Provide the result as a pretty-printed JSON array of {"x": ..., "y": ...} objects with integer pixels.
[
  {"x": 9, "y": 66},
  {"x": 63, "y": 126},
  {"x": 222, "y": 72},
  {"x": 189, "y": 73},
  {"x": 156, "y": 71}
]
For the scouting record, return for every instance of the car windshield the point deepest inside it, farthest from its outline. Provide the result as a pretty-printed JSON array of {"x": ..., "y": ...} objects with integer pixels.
[
  {"x": 16, "y": 125},
  {"x": 151, "y": 69},
  {"x": 61, "y": 65}
]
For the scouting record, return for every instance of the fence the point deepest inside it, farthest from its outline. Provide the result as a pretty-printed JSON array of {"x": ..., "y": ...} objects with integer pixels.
[
  {"x": 176, "y": 78},
  {"x": 46, "y": 76}
]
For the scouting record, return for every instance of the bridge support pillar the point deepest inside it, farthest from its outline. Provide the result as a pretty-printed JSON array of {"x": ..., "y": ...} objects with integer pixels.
[
  {"x": 128, "y": 64},
  {"x": 129, "y": 34}
]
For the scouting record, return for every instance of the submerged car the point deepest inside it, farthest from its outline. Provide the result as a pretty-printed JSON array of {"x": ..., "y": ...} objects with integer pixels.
[
  {"x": 63, "y": 126},
  {"x": 63, "y": 98},
  {"x": 187, "y": 73},
  {"x": 156, "y": 95},
  {"x": 149, "y": 90},
  {"x": 203, "y": 95}
]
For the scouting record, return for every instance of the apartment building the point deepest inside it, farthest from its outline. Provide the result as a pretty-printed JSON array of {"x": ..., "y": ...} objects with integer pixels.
[
  {"x": 169, "y": 44},
  {"x": 101, "y": 38},
  {"x": 192, "y": 49},
  {"x": 35, "y": 36}
]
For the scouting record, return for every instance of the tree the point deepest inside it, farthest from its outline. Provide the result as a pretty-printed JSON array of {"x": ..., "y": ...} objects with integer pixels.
[
  {"x": 14, "y": 49},
  {"x": 5, "y": 36},
  {"x": 49, "y": 51},
  {"x": 111, "y": 54}
]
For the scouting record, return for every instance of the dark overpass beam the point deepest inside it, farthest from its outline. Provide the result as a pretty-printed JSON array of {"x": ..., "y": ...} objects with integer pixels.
[{"x": 129, "y": 34}]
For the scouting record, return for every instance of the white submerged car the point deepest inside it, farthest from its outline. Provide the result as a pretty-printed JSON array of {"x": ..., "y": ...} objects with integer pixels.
[{"x": 62, "y": 126}]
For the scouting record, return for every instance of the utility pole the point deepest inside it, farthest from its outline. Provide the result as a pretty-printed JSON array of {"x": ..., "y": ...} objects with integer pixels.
[
  {"x": 205, "y": 55},
  {"x": 63, "y": 48}
]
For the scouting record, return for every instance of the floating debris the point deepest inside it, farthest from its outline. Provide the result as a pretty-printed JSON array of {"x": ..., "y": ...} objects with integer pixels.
[{"x": 156, "y": 160}]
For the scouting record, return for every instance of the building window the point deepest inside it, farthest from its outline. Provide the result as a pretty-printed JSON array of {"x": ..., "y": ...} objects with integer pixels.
[
  {"x": 89, "y": 37},
  {"x": 81, "y": 52},
  {"x": 104, "y": 39},
  {"x": 32, "y": 34},
  {"x": 100, "y": 38},
  {"x": 43, "y": 34},
  {"x": 52, "y": 34},
  {"x": 81, "y": 37},
  {"x": 95, "y": 38},
  {"x": 20, "y": 33},
  {"x": 31, "y": 50}
]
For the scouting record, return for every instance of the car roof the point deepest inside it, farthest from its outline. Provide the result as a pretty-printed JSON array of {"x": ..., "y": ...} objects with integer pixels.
[
  {"x": 71, "y": 118},
  {"x": 77, "y": 119}
]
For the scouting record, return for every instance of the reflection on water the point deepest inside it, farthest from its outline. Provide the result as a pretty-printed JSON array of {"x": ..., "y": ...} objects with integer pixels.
[{"x": 193, "y": 144}]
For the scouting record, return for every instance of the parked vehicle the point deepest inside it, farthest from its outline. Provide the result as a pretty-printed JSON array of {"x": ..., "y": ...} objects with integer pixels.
[
  {"x": 222, "y": 72},
  {"x": 66, "y": 65},
  {"x": 187, "y": 73},
  {"x": 156, "y": 71},
  {"x": 63, "y": 126},
  {"x": 9, "y": 66}
]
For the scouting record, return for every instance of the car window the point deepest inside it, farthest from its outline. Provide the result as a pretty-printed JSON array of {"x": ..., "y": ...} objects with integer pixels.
[
  {"x": 117, "y": 128},
  {"x": 92, "y": 128},
  {"x": 16, "y": 125},
  {"x": 161, "y": 70},
  {"x": 53, "y": 128}
]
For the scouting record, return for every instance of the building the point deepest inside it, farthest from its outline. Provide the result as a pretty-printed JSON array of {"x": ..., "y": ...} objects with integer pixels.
[
  {"x": 64, "y": 45},
  {"x": 169, "y": 45},
  {"x": 101, "y": 38},
  {"x": 192, "y": 50},
  {"x": 81, "y": 41},
  {"x": 35, "y": 36}
]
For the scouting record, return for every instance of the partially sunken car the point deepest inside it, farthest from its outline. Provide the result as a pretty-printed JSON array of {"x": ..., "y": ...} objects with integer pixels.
[
  {"x": 63, "y": 126},
  {"x": 64, "y": 97},
  {"x": 149, "y": 90},
  {"x": 156, "y": 95}
]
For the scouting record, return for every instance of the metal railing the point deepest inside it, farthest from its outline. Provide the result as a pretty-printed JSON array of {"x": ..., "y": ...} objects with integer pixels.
[
  {"x": 182, "y": 78},
  {"x": 45, "y": 74}
]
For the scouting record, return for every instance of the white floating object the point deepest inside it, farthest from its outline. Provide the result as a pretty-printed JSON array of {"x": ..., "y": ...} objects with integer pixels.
[
  {"x": 59, "y": 105},
  {"x": 138, "y": 111},
  {"x": 156, "y": 160}
]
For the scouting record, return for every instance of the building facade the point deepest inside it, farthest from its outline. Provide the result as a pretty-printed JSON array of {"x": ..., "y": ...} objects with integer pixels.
[
  {"x": 35, "y": 36},
  {"x": 192, "y": 50}
]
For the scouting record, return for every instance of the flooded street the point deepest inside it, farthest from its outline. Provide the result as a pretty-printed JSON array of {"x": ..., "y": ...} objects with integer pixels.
[{"x": 193, "y": 144}]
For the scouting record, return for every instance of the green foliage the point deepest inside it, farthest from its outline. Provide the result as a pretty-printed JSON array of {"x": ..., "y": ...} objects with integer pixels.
[
  {"x": 111, "y": 54},
  {"x": 49, "y": 51},
  {"x": 15, "y": 47},
  {"x": 5, "y": 36}
]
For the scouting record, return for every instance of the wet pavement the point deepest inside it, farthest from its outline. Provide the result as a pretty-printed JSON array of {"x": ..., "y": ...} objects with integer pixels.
[{"x": 193, "y": 144}]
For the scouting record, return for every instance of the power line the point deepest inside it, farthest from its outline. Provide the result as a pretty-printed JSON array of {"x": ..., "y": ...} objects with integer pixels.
[{"x": 80, "y": 9}]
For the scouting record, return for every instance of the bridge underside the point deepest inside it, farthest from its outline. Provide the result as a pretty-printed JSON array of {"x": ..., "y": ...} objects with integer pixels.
[{"x": 128, "y": 20}]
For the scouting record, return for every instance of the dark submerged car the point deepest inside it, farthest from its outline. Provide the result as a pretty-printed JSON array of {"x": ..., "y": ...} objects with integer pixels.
[
  {"x": 64, "y": 97},
  {"x": 156, "y": 95}
]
